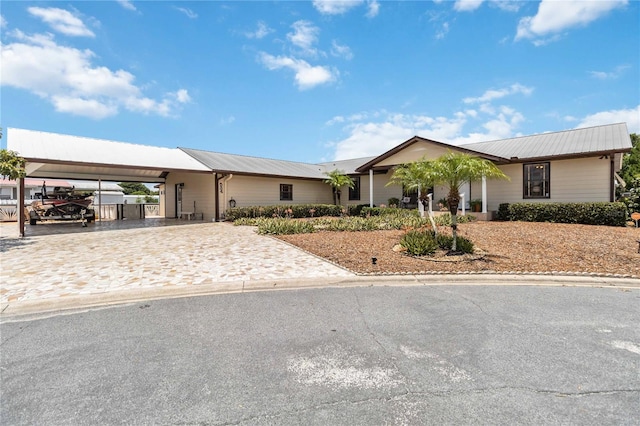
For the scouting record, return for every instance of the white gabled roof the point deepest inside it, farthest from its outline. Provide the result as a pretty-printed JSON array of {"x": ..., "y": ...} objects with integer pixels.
[{"x": 56, "y": 155}]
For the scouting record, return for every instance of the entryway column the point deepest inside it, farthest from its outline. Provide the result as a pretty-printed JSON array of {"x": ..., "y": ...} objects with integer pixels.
[
  {"x": 484, "y": 194},
  {"x": 20, "y": 206},
  {"x": 370, "y": 187}
]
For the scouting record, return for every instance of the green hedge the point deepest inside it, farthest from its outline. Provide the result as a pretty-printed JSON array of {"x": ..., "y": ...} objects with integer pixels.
[
  {"x": 610, "y": 214},
  {"x": 297, "y": 211}
]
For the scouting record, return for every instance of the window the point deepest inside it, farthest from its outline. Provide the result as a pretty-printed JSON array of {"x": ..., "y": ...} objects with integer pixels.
[
  {"x": 536, "y": 180},
  {"x": 354, "y": 193},
  {"x": 286, "y": 192}
]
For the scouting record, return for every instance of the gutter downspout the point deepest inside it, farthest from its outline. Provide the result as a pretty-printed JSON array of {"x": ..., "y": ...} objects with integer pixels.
[
  {"x": 612, "y": 185},
  {"x": 225, "y": 179}
]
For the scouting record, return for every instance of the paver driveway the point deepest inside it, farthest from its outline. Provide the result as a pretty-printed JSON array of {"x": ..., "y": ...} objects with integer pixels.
[{"x": 79, "y": 263}]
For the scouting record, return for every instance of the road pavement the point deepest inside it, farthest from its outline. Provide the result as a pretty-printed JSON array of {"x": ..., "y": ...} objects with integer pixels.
[{"x": 394, "y": 354}]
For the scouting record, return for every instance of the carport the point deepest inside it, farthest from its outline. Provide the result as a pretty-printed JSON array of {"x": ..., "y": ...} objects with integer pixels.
[{"x": 57, "y": 156}]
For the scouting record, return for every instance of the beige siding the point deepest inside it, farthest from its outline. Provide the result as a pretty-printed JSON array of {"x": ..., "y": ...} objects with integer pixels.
[
  {"x": 576, "y": 180},
  {"x": 162, "y": 199},
  {"x": 263, "y": 191},
  {"x": 414, "y": 152},
  {"x": 198, "y": 188}
]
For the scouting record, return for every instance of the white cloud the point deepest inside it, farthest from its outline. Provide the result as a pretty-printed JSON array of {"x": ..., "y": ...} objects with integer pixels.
[
  {"x": 306, "y": 75},
  {"x": 342, "y": 51},
  {"x": 375, "y": 133},
  {"x": 467, "y": 5},
  {"x": 610, "y": 75},
  {"x": 3, "y": 22},
  {"x": 127, "y": 4},
  {"x": 304, "y": 36},
  {"x": 188, "y": 12},
  {"x": 336, "y": 7},
  {"x": 262, "y": 31},
  {"x": 554, "y": 17},
  {"x": 373, "y": 9},
  {"x": 630, "y": 116},
  {"x": 490, "y": 95},
  {"x": 227, "y": 120},
  {"x": 67, "y": 78},
  {"x": 62, "y": 21}
]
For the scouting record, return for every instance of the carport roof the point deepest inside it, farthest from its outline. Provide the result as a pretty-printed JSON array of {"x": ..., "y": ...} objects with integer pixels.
[{"x": 54, "y": 155}]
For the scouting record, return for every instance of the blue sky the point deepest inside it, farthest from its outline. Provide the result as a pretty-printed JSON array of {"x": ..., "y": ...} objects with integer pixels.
[{"x": 319, "y": 80}]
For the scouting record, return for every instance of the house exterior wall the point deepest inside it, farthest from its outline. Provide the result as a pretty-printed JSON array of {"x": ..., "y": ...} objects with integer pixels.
[
  {"x": 265, "y": 191},
  {"x": 414, "y": 152},
  {"x": 571, "y": 181},
  {"x": 198, "y": 187}
]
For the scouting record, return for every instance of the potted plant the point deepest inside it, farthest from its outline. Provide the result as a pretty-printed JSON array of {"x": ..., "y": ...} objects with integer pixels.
[{"x": 476, "y": 205}]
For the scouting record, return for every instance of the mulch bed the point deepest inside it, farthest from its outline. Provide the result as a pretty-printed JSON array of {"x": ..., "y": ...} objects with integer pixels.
[{"x": 520, "y": 247}]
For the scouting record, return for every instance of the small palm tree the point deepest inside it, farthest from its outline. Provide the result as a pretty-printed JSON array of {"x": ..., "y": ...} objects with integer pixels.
[
  {"x": 337, "y": 179},
  {"x": 412, "y": 176},
  {"x": 452, "y": 170}
]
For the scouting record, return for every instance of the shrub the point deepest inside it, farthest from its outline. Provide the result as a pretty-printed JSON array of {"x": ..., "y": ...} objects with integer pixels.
[
  {"x": 600, "y": 213},
  {"x": 503, "y": 212},
  {"x": 284, "y": 227},
  {"x": 297, "y": 211},
  {"x": 445, "y": 219},
  {"x": 393, "y": 201},
  {"x": 419, "y": 242},
  {"x": 463, "y": 245},
  {"x": 356, "y": 209}
]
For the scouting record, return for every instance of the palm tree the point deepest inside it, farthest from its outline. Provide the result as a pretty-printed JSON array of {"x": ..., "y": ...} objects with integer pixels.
[
  {"x": 452, "y": 170},
  {"x": 412, "y": 176},
  {"x": 337, "y": 179}
]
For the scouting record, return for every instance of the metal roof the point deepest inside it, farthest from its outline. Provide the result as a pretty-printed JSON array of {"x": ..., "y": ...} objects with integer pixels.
[
  {"x": 55, "y": 155},
  {"x": 241, "y": 164},
  {"x": 568, "y": 143},
  {"x": 346, "y": 166}
]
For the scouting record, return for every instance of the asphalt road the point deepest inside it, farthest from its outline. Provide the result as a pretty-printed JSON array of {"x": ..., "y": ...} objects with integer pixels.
[{"x": 351, "y": 356}]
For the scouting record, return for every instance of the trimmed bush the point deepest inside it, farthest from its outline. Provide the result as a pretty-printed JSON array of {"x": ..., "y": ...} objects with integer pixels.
[
  {"x": 503, "y": 212},
  {"x": 356, "y": 209},
  {"x": 610, "y": 214},
  {"x": 294, "y": 211}
]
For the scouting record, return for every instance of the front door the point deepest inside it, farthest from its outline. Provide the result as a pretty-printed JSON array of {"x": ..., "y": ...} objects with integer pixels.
[{"x": 179, "y": 187}]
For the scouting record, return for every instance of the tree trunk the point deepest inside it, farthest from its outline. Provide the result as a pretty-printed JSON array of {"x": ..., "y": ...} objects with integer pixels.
[
  {"x": 338, "y": 195},
  {"x": 454, "y": 200}
]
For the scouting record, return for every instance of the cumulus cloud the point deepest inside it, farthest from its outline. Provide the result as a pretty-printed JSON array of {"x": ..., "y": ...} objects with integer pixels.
[
  {"x": 493, "y": 94},
  {"x": 127, "y": 4},
  {"x": 262, "y": 31},
  {"x": 377, "y": 132},
  {"x": 61, "y": 21},
  {"x": 304, "y": 36},
  {"x": 630, "y": 116},
  {"x": 341, "y": 50},
  {"x": 68, "y": 78},
  {"x": 187, "y": 12},
  {"x": 554, "y": 17},
  {"x": 306, "y": 75}
]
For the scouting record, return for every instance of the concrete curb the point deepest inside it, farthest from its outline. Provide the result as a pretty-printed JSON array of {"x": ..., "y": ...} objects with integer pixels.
[{"x": 71, "y": 304}]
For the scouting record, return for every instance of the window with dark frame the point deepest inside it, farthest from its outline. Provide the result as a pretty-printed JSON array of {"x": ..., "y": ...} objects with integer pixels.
[
  {"x": 286, "y": 192},
  {"x": 536, "y": 180},
  {"x": 354, "y": 193}
]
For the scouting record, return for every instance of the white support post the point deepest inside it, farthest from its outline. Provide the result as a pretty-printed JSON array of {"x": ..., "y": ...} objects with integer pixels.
[
  {"x": 99, "y": 199},
  {"x": 370, "y": 187},
  {"x": 430, "y": 196},
  {"x": 463, "y": 204},
  {"x": 420, "y": 205},
  {"x": 484, "y": 194}
]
